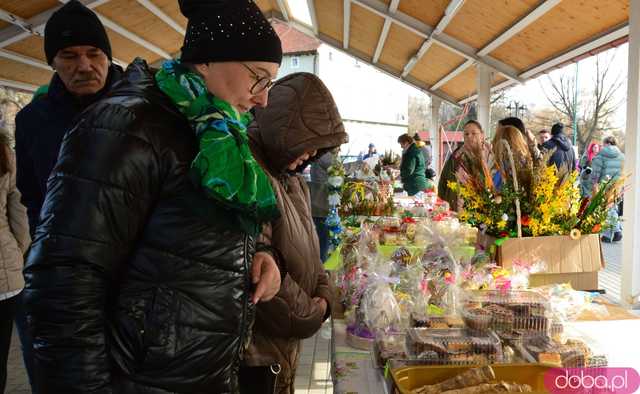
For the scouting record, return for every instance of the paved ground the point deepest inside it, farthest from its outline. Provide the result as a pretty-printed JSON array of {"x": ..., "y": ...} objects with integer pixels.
[{"x": 610, "y": 277}]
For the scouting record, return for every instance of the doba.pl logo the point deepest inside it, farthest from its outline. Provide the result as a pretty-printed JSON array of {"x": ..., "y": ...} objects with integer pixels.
[{"x": 592, "y": 380}]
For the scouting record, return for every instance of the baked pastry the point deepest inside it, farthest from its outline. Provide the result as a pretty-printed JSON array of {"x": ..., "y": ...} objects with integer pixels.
[
  {"x": 502, "y": 319},
  {"x": 550, "y": 359},
  {"x": 459, "y": 347},
  {"x": 477, "y": 319}
]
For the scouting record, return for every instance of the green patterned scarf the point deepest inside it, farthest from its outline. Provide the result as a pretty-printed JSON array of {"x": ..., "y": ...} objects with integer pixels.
[{"x": 224, "y": 167}]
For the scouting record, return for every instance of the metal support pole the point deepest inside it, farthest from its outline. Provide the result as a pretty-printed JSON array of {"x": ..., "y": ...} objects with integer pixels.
[
  {"x": 484, "y": 96},
  {"x": 435, "y": 133},
  {"x": 631, "y": 233}
]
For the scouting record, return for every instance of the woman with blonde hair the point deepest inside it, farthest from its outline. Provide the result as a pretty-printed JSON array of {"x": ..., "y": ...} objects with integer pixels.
[
  {"x": 14, "y": 241},
  {"x": 522, "y": 157}
]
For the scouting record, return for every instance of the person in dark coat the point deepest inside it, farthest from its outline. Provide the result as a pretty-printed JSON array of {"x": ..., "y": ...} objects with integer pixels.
[
  {"x": 412, "y": 167},
  {"x": 77, "y": 47},
  {"x": 145, "y": 271},
  {"x": 564, "y": 158}
]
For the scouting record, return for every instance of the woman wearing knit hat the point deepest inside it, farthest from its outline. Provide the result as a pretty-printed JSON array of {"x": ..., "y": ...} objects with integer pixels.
[{"x": 146, "y": 269}]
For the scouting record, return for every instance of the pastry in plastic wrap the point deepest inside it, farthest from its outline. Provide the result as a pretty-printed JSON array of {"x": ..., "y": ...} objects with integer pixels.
[
  {"x": 420, "y": 320},
  {"x": 477, "y": 319},
  {"x": 452, "y": 346}
]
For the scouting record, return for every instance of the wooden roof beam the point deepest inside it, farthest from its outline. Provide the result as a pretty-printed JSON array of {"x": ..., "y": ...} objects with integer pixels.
[
  {"x": 452, "y": 74},
  {"x": 314, "y": 19},
  {"x": 595, "y": 42},
  {"x": 283, "y": 10},
  {"x": 346, "y": 24},
  {"x": 519, "y": 26},
  {"x": 163, "y": 16},
  {"x": 25, "y": 60},
  {"x": 130, "y": 35},
  {"x": 34, "y": 25},
  {"x": 393, "y": 7},
  {"x": 423, "y": 30},
  {"x": 367, "y": 59},
  {"x": 18, "y": 85},
  {"x": 451, "y": 11},
  {"x": 502, "y": 38}
]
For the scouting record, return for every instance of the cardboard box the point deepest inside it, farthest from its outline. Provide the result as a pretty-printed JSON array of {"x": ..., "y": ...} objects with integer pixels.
[{"x": 575, "y": 261}]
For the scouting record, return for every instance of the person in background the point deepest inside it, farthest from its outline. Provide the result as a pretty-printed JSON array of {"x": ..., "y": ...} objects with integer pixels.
[
  {"x": 77, "y": 47},
  {"x": 319, "y": 191},
  {"x": 563, "y": 156},
  {"x": 372, "y": 152},
  {"x": 412, "y": 167},
  {"x": 474, "y": 141},
  {"x": 146, "y": 266},
  {"x": 532, "y": 143},
  {"x": 523, "y": 162},
  {"x": 425, "y": 149},
  {"x": 608, "y": 164},
  {"x": 543, "y": 136},
  {"x": 14, "y": 240},
  {"x": 586, "y": 184},
  {"x": 285, "y": 137}
]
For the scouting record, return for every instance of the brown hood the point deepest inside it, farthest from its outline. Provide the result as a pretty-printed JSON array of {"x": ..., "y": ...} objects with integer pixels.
[{"x": 301, "y": 116}]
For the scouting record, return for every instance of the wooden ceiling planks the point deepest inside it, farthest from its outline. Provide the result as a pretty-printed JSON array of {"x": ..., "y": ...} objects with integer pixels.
[
  {"x": 172, "y": 9},
  {"x": 462, "y": 85},
  {"x": 478, "y": 22},
  {"x": 32, "y": 46},
  {"x": 143, "y": 23},
  {"x": 566, "y": 25},
  {"x": 330, "y": 15},
  {"x": 365, "y": 30},
  {"x": 126, "y": 50},
  {"x": 400, "y": 46},
  {"x": 27, "y": 9},
  {"x": 19, "y": 72},
  {"x": 429, "y": 14},
  {"x": 435, "y": 64}
]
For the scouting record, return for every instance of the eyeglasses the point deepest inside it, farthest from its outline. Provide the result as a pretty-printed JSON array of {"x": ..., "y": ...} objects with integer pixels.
[{"x": 262, "y": 83}]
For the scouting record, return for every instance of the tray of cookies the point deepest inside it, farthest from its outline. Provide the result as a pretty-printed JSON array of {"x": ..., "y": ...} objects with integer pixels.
[
  {"x": 420, "y": 320},
  {"x": 573, "y": 353},
  {"x": 454, "y": 346},
  {"x": 520, "y": 311}
]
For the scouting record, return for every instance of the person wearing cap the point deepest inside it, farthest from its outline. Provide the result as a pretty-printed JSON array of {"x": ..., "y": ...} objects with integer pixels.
[
  {"x": 372, "y": 152},
  {"x": 563, "y": 156},
  {"x": 146, "y": 266},
  {"x": 77, "y": 48}
]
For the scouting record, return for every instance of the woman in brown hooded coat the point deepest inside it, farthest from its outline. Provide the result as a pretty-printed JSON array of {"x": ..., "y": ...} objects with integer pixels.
[{"x": 300, "y": 124}]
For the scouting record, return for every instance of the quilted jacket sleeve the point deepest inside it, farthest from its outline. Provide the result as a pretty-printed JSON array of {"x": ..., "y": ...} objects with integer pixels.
[
  {"x": 298, "y": 315},
  {"x": 99, "y": 198},
  {"x": 17, "y": 213}
]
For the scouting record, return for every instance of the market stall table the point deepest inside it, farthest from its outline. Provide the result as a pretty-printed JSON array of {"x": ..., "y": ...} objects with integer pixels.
[{"x": 353, "y": 370}]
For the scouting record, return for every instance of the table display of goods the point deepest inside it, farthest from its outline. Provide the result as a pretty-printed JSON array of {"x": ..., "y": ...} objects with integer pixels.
[
  {"x": 366, "y": 198},
  {"x": 468, "y": 380}
]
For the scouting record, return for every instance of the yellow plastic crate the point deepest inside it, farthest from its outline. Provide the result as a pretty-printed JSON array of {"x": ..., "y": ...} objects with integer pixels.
[{"x": 413, "y": 377}]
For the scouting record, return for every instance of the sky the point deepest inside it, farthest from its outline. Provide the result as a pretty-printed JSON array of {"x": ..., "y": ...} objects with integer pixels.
[{"x": 532, "y": 92}]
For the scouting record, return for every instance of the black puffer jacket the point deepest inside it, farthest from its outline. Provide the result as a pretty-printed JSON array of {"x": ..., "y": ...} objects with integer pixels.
[{"x": 136, "y": 283}]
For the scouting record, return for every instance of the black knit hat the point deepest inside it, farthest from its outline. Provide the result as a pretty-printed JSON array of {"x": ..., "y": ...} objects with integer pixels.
[
  {"x": 557, "y": 128},
  {"x": 228, "y": 30},
  {"x": 74, "y": 24}
]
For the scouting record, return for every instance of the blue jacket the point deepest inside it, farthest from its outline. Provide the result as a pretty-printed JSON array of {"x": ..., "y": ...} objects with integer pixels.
[
  {"x": 40, "y": 127},
  {"x": 608, "y": 163},
  {"x": 564, "y": 156}
]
